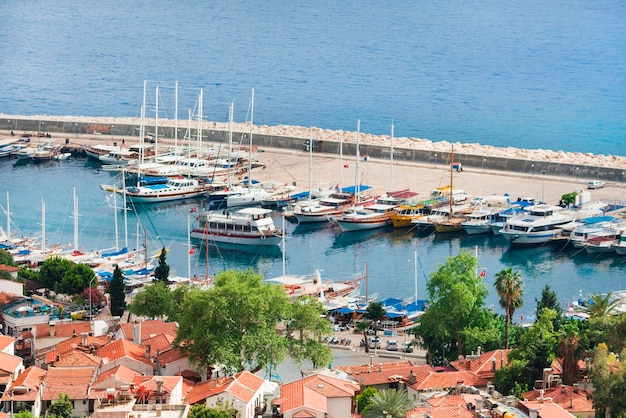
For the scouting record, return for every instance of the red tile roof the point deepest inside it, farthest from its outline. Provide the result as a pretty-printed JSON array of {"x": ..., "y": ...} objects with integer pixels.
[
  {"x": 30, "y": 378},
  {"x": 170, "y": 356},
  {"x": 383, "y": 373},
  {"x": 483, "y": 365},
  {"x": 71, "y": 345},
  {"x": 72, "y": 329},
  {"x": 9, "y": 363},
  {"x": 5, "y": 341},
  {"x": 149, "y": 329},
  {"x": 123, "y": 348},
  {"x": 446, "y": 380},
  {"x": 79, "y": 359},
  {"x": 243, "y": 386},
  {"x": 570, "y": 399},
  {"x": 122, "y": 374},
  {"x": 57, "y": 381},
  {"x": 312, "y": 393},
  {"x": 159, "y": 343}
]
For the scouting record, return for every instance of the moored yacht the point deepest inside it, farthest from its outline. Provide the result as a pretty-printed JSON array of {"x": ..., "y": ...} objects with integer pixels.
[{"x": 537, "y": 225}]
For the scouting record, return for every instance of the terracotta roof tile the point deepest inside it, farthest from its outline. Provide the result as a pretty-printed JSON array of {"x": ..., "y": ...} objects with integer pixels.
[
  {"x": 73, "y": 344},
  {"x": 483, "y": 365},
  {"x": 170, "y": 356},
  {"x": 313, "y": 392},
  {"x": 31, "y": 378},
  {"x": 149, "y": 329},
  {"x": 122, "y": 374},
  {"x": 72, "y": 329},
  {"x": 79, "y": 359},
  {"x": 243, "y": 386},
  {"x": 383, "y": 373},
  {"x": 570, "y": 399},
  {"x": 446, "y": 380},
  {"x": 9, "y": 363},
  {"x": 5, "y": 342},
  {"x": 56, "y": 381},
  {"x": 159, "y": 343},
  {"x": 123, "y": 348}
]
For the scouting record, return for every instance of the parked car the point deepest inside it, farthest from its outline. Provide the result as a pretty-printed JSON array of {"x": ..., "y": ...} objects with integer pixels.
[
  {"x": 595, "y": 184},
  {"x": 407, "y": 347},
  {"x": 374, "y": 342},
  {"x": 392, "y": 345}
]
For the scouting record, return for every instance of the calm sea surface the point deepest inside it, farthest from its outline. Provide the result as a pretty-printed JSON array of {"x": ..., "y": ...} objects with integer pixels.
[
  {"x": 389, "y": 254},
  {"x": 526, "y": 74},
  {"x": 531, "y": 74}
]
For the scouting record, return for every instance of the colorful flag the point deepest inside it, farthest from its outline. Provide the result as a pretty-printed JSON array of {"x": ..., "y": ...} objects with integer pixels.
[
  {"x": 192, "y": 251},
  {"x": 346, "y": 166},
  {"x": 193, "y": 210},
  {"x": 484, "y": 273}
]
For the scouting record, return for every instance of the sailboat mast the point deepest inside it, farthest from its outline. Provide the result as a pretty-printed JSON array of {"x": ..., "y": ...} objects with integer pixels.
[
  {"x": 415, "y": 273},
  {"x": 117, "y": 244},
  {"x": 284, "y": 252},
  {"x": 250, "y": 151},
  {"x": 356, "y": 174},
  {"x": 176, "y": 116},
  {"x": 75, "y": 220},
  {"x": 391, "y": 165},
  {"x": 189, "y": 246},
  {"x": 451, "y": 200},
  {"x": 156, "y": 124},
  {"x": 43, "y": 226},
  {"x": 230, "y": 141},
  {"x": 125, "y": 215},
  {"x": 200, "y": 104},
  {"x": 8, "y": 218},
  {"x": 310, "y": 161},
  {"x": 340, "y": 162}
]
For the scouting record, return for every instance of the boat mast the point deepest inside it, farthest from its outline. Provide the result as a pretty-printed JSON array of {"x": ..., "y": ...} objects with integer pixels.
[
  {"x": 200, "y": 116},
  {"x": 156, "y": 124},
  {"x": 230, "y": 141},
  {"x": 310, "y": 161},
  {"x": 356, "y": 174},
  {"x": 415, "y": 273},
  {"x": 189, "y": 246},
  {"x": 8, "y": 219},
  {"x": 391, "y": 165},
  {"x": 340, "y": 162},
  {"x": 451, "y": 200},
  {"x": 176, "y": 116},
  {"x": 250, "y": 150},
  {"x": 75, "y": 220},
  {"x": 117, "y": 243},
  {"x": 43, "y": 226},
  {"x": 284, "y": 252}
]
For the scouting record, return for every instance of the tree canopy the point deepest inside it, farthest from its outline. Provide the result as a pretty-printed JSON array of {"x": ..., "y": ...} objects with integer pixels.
[
  {"x": 234, "y": 323},
  {"x": 456, "y": 297},
  {"x": 510, "y": 288},
  {"x": 116, "y": 290}
]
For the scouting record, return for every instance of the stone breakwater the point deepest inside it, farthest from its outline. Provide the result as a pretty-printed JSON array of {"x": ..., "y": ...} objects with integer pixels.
[{"x": 557, "y": 163}]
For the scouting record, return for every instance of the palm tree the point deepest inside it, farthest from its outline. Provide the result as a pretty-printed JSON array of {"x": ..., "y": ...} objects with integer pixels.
[
  {"x": 388, "y": 404},
  {"x": 509, "y": 286},
  {"x": 569, "y": 342},
  {"x": 599, "y": 305}
]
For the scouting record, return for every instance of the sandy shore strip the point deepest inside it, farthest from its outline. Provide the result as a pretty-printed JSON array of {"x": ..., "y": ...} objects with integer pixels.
[{"x": 560, "y": 156}]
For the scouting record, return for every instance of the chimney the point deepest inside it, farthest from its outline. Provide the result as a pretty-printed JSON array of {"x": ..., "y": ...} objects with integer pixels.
[
  {"x": 478, "y": 351},
  {"x": 575, "y": 386},
  {"x": 493, "y": 365},
  {"x": 412, "y": 378},
  {"x": 83, "y": 338},
  {"x": 148, "y": 350},
  {"x": 137, "y": 333},
  {"x": 532, "y": 413},
  {"x": 159, "y": 383},
  {"x": 52, "y": 329},
  {"x": 73, "y": 333}
]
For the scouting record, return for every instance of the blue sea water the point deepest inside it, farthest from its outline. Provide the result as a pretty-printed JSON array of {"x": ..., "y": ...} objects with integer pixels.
[
  {"x": 390, "y": 255},
  {"x": 526, "y": 74}
]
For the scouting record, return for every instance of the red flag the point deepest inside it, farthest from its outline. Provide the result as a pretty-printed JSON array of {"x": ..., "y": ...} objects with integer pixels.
[
  {"x": 193, "y": 210},
  {"x": 484, "y": 273},
  {"x": 192, "y": 251},
  {"x": 346, "y": 166}
]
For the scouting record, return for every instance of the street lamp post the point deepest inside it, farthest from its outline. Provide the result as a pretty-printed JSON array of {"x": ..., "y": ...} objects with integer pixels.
[
  {"x": 532, "y": 167},
  {"x": 435, "y": 159},
  {"x": 484, "y": 163},
  {"x": 543, "y": 173},
  {"x": 112, "y": 131},
  {"x": 576, "y": 174},
  {"x": 76, "y": 130}
]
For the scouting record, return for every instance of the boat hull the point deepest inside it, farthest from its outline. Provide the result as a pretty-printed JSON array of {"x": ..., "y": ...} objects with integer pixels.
[
  {"x": 164, "y": 197},
  {"x": 236, "y": 238},
  {"x": 362, "y": 225},
  {"x": 528, "y": 239}
]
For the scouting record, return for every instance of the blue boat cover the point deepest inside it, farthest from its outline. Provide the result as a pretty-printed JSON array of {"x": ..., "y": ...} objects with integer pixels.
[
  {"x": 116, "y": 253},
  {"x": 353, "y": 189}
]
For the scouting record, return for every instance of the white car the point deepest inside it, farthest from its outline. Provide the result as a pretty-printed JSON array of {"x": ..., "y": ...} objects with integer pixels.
[
  {"x": 392, "y": 345},
  {"x": 595, "y": 184}
]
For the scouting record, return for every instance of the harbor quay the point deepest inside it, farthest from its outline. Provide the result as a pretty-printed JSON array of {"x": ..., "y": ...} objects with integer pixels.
[{"x": 119, "y": 128}]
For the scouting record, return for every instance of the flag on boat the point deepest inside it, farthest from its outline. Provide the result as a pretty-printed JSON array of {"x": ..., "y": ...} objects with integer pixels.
[
  {"x": 192, "y": 250},
  {"x": 193, "y": 210},
  {"x": 346, "y": 165},
  {"x": 484, "y": 273}
]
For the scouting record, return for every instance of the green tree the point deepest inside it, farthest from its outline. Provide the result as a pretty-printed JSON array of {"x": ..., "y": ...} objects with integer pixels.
[
  {"x": 375, "y": 311},
  {"x": 151, "y": 301},
  {"x": 610, "y": 330},
  {"x": 62, "y": 407},
  {"x": 6, "y": 258},
  {"x": 569, "y": 198},
  {"x": 75, "y": 280},
  {"x": 53, "y": 270},
  {"x": 364, "y": 399},
  {"x": 23, "y": 414},
  {"x": 600, "y": 305},
  {"x": 608, "y": 376},
  {"x": 568, "y": 351},
  {"x": 309, "y": 326},
  {"x": 176, "y": 302},
  {"x": 456, "y": 297},
  {"x": 536, "y": 348},
  {"x": 507, "y": 378},
  {"x": 203, "y": 411},
  {"x": 162, "y": 271},
  {"x": 116, "y": 291},
  {"x": 388, "y": 403},
  {"x": 509, "y": 287},
  {"x": 549, "y": 300},
  {"x": 234, "y": 322}
]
